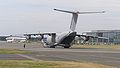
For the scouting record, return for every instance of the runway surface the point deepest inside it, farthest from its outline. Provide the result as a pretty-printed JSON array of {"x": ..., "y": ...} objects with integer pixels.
[{"x": 101, "y": 56}]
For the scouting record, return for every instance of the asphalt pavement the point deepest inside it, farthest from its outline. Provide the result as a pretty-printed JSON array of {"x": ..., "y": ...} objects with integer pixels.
[{"x": 101, "y": 56}]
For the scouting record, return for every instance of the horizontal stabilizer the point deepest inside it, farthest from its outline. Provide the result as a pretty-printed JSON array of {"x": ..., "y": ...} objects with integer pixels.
[
  {"x": 77, "y": 12},
  {"x": 90, "y": 12},
  {"x": 64, "y": 11},
  {"x": 75, "y": 17}
]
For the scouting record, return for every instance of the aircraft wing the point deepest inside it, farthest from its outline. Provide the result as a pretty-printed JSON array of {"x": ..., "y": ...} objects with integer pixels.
[
  {"x": 87, "y": 37},
  {"x": 41, "y": 34}
]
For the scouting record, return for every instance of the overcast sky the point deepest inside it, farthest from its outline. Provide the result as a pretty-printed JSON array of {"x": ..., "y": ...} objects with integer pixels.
[{"x": 33, "y": 16}]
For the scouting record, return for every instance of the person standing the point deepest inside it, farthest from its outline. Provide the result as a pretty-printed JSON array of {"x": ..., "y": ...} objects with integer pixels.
[{"x": 24, "y": 45}]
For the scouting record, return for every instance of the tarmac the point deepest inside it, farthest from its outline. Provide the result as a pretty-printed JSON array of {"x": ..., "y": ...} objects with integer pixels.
[{"x": 102, "y": 56}]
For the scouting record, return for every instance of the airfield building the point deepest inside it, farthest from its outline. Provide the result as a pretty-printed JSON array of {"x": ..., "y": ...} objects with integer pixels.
[{"x": 105, "y": 36}]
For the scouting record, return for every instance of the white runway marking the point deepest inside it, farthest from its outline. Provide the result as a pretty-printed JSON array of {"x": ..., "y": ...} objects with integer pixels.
[{"x": 28, "y": 57}]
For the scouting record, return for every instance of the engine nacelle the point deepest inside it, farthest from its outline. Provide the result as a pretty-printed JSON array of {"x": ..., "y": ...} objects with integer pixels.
[{"x": 47, "y": 40}]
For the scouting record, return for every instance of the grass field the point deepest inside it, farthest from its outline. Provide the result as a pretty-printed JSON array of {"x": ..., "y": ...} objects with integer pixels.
[
  {"x": 51, "y": 64},
  {"x": 48, "y": 64},
  {"x": 97, "y": 46},
  {"x": 13, "y": 51}
]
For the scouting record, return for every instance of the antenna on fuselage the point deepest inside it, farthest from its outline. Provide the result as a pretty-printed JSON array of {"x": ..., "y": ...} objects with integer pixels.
[{"x": 75, "y": 17}]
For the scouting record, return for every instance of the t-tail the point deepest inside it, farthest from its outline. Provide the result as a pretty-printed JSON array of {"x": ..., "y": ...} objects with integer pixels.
[{"x": 75, "y": 17}]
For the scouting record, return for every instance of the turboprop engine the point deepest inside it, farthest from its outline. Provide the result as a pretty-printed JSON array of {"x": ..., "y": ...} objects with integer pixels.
[{"x": 47, "y": 40}]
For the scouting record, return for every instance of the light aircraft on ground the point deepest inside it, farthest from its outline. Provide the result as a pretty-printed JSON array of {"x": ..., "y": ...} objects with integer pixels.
[
  {"x": 12, "y": 39},
  {"x": 64, "y": 39}
]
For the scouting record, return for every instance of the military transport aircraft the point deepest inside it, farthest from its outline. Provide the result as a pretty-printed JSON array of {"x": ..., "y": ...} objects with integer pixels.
[{"x": 64, "y": 39}]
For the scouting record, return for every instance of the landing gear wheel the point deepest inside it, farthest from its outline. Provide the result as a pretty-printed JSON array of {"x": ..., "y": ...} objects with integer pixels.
[
  {"x": 52, "y": 46},
  {"x": 67, "y": 46}
]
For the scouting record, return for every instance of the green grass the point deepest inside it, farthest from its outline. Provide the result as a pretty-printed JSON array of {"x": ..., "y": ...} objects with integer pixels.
[
  {"x": 48, "y": 64},
  {"x": 97, "y": 46},
  {"x": 23, "y": 64},
  {"x": 13, "y": 51}
]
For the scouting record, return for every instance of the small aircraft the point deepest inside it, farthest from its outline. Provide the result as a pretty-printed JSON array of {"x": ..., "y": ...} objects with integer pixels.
[
  {"x": 64, "y": 39},
  {"x": 15, "y": 39}
]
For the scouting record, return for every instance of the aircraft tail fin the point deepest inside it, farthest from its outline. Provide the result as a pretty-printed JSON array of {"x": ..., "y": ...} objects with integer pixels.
[
  {"x": 73, "y": 21},
  {"x": 75, "y": 17}
]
